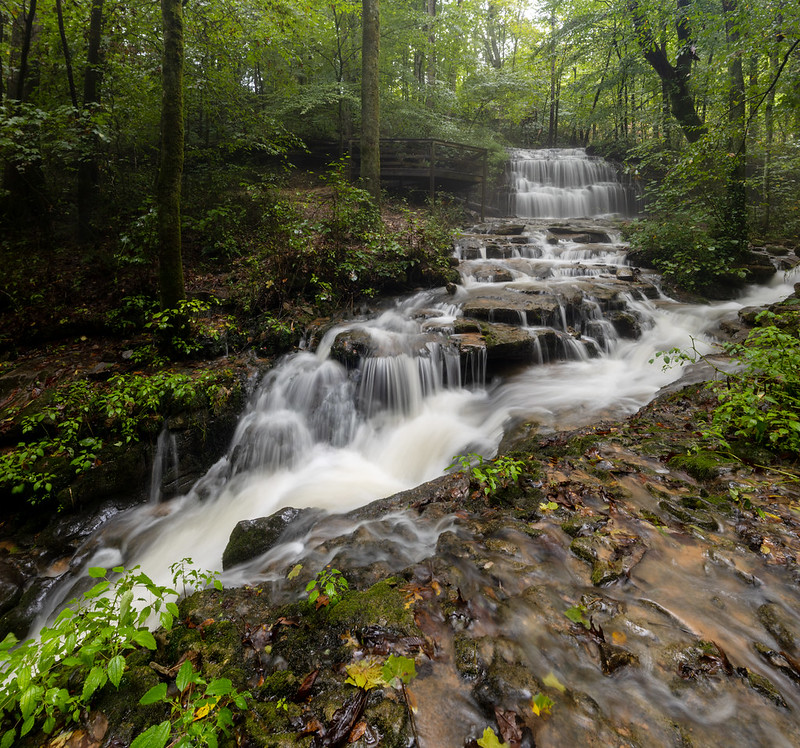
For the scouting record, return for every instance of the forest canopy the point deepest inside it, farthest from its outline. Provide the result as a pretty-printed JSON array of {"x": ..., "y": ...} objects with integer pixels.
[{"x": 702, "y": 95}]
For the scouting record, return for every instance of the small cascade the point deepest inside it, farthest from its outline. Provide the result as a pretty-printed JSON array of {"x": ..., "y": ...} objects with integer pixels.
[
  {"x": 165, "y": 462},
  {"x": 565, "y": 183}
]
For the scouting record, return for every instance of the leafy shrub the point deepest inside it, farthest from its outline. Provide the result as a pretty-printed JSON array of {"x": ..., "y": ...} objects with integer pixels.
[
  {"x": 685, "y": 255},
  {"x": 73, "y": 427},
  {"x": 759, "y": 400},
  {"x": 48, "y": 682},
  {"x": 327, "y": 587}
]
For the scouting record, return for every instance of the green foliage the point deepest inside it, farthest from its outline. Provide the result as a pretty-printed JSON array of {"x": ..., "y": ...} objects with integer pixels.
[
  {"x": 684, "y": 254},
  {"x": 184, "y": 330},
  {"x": 333, "y": 248},
  {"x": 396, "y": 671},
  {"x": 199, "y": 712},
  {"x": 185, "y": 573},
  {"x": 327, "y": 587},
  {"x": 758, "y": 401},
  {"x": 50, "y": 681},
  {"x": 490, "y": 474},
  {"x": 66, "y": 435},
  {"x": 761, "y": 402}
]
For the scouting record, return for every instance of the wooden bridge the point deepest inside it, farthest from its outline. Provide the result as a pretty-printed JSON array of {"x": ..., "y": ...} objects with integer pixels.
[{"x": 428, "y": 163}]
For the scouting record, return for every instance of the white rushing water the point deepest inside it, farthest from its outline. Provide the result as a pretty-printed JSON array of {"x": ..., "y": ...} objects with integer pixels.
[
  {"x": 316, "y": 434},
  {"x": 564, "y": 183}
]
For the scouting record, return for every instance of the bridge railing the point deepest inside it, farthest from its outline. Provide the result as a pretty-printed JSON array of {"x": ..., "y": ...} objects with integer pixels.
[{"x": 436, "y": 162}]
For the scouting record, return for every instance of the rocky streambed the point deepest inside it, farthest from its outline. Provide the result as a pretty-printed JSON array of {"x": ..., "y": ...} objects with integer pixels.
[
  {"x": 625, "y": 589},
  {"x": 620, "y": 576}
]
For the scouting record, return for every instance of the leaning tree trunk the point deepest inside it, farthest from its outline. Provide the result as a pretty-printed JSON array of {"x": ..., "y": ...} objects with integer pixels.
[
  {"x": 370, "y": 99},
  {"x": 675, "y": 78},
  {"x": 168, "y": 196}
]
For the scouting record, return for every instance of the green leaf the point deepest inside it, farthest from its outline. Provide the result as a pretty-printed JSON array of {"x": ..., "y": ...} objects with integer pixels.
[
  {"x": 154, "y": 737},
  {"x": 219, "y": 687},
  {"x": 490, "y": 740},
  {"x": 155, "y": 694},
  {"x": 96, "y": 572},
  {"x": 115, "y": 669},
  {"x": 577, "y": 614},
  {"x": 145, "y": 639},
  {"x": 401, "y": 668},
  {"x": 296, "y": 569},
  {"x": 29, "y": 700},
  {"x": 27, "y": 726},
  {"x": 97, "y": 677},
  {"x": 8, "y": 738},
  {"x": 125, "y": 607},
  {"x": 541, "y": 705},
  {"x": 185, "y": 676}
]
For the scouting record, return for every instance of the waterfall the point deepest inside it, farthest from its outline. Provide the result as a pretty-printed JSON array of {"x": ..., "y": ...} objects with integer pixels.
[
  {"x": 548, "y": 325},
  {"x": 564, "y": 183}
]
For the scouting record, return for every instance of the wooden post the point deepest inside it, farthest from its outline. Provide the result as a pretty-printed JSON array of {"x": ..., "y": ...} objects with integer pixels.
[{"x": 483, "y": 184}]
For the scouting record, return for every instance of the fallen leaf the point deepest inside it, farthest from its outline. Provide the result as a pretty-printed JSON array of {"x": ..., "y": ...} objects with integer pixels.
[
  {"x": 551, "y": 681},
  {"x": 365, "y": 674},
  {"x": 357, "y": 732},
  {"x": 304, "y": 690},
  {"x": 541, "y": 705}
]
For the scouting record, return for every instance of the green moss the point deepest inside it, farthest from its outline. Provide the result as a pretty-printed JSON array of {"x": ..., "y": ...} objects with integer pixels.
[
  {"x": 703, "y": 465},
  {"x": 280, "y": 684},
  {"x": 382, "y": 604}
]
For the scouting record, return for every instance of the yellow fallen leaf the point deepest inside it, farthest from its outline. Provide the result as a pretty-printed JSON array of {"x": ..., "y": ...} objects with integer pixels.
[
  {"x": 619, "y": 637},
  {"x": 204, "y": 710},
  {"x": 551, "y": 681}
]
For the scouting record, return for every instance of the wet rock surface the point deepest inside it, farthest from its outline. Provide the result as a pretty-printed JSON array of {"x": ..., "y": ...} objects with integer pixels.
[
  {"x": 619, "y": 591},
  {"x": 617, "y": 583}
]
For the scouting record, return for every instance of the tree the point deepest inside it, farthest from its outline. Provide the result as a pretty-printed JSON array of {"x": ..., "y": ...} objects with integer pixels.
[
  {"x": 675, "y": 77},
  {"x": 370, "y": 98},
  {"x": 168, "y": 196}
]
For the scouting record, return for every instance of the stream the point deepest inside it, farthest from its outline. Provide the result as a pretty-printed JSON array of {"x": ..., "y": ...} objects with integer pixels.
[{"x": 549, "y": 325}]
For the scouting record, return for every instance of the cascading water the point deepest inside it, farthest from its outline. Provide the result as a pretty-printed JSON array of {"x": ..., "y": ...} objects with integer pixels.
[
  {"x": 565, "y": 183},
  {"x": 552, "y": 314}
]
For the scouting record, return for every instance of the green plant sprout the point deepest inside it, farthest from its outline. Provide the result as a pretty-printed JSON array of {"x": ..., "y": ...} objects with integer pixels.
[
  {"x": 489, "y": 474},
  {"x": 327, "y": 587}
]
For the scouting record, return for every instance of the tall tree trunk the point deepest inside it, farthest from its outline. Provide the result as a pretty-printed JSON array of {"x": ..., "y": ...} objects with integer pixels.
[
  {"x": 24, "y": 183},
  {"x": 88, "y": 169},
  {"x": 736, "y": 200},
  {"x": 769, "y": 136},
  {"x": 430, "y": 60},
  {"x": 370, "y": 99},
  {"x": 22, "y": 75},
  {"x": 67, "y": 56},
  {"x": 168, "y": 194}
]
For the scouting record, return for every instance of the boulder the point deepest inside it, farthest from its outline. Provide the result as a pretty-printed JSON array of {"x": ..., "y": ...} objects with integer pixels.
[
  {"x": 491, "y": 274},
  {"x": 253, "y": 537},
  {"x": 499, "y": 251},
  {"x": 350, "y": 346}
]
